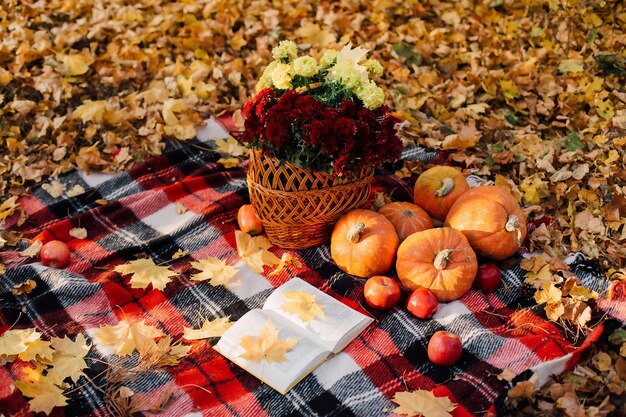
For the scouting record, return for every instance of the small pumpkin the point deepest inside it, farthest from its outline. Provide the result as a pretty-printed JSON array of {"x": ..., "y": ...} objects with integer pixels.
[
  {"x": 491, "y": 219},
  {"x": 364, "y": 243},
  {"x": 437, "y": 188},
  {"x": 407, "y": 218},
  {"x": 440, "y": 260}
]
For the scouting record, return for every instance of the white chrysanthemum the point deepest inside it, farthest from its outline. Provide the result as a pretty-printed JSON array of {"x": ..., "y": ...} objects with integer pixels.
[
  {"x": 374, "y": 68},
  {"x": 346, "y": 74},
  {"x": 285, "y": 50},
  {"x": 305, "y": 66},
  {"x": 282, "y": 75},
  {"x": 328, "y": 59},
  {"x": 371, "y": 95}
]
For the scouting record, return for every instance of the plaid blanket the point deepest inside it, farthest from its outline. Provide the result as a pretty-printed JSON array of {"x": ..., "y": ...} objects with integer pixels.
[{"x": 140, "y": 218}]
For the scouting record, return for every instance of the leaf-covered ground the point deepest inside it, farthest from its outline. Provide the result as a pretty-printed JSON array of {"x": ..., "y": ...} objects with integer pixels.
[{"x": 529, "y": 94}]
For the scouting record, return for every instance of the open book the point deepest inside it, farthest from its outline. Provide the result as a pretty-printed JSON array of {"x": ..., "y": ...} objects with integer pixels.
[{"x": 297, "y": 329}]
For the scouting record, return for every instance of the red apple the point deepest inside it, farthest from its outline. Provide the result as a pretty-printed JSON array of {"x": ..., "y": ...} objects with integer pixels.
[
  {"x": 488, "y": 278},
  {"x": 444, "y": 348},
  {"x": 248, "y": 220},
  {"x": 381, "y": 292},
  {"x": 422, "y": 303},
  {"x": 55, "y": 254}
]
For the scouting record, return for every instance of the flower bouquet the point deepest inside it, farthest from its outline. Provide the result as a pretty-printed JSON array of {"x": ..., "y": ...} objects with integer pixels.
[{"x": 317, "y": 131}]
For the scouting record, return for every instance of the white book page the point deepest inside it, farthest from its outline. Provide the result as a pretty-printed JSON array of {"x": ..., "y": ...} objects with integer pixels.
[
  {"x": 279, "y": 375},
  {"x": 339, "y": 325}
]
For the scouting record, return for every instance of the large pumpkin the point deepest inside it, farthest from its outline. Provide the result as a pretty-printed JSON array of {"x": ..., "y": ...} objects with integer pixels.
[
  {"x": 364, "y": 243},
  {"x": 440, "y": 260},
  {"x": 407, "y": 218},
  {"x": 491, "y": 219},
  {"x": 437, "y": 188}
]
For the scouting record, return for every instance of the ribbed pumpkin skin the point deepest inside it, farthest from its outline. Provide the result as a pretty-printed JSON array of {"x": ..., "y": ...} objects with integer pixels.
[
  {"x": 430, "y": 181},
  {"x": 375, "y": 251},
  {"x": 481, "y": 214},
  {"x": 415, "y": 263},
  {"x": 407, "y": 218}
]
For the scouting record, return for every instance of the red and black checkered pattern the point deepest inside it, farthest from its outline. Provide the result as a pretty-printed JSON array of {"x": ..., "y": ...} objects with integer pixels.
[{"x": 499, "y": 331}]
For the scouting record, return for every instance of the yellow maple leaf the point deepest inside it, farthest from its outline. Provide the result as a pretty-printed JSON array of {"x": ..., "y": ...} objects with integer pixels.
[
  {"x": 171, "y": 106},
  {"x": 215, "y": 270},
  {"x": 534, "y": 188},
  {"x": 467, "y": 137},
  {"x": 286, "y": 259},
  {"x": 79, "y": 233},
  {"x": 56, "y": 188},
  {"x": 509, "y": 89},
  {"x": 314, "y": 35},
  {"x": 213, "y": 328},
  {"x": 554, "y": 311},
  {"x": 94, "y": 111},
  {"x": 68, "y": 360},
  {"x": 37, "y": 350},
  {"x": 8, "y": 207},
  {"x": 32, "y": 250},
  {"x": 254, "y": 251},
  {"x": 267, "y": 345},
  {"x": 75, "y": 64},
  {"x": 14, "y": 342},
  {"x": 302, "y": 304},
  {"x": 548, "y": 293},
  {"x": 180, "y": 254},
  {"x": 25, "y": 287},
  {"x": 582, "y": 293},
  {"x": 542, "y": 276},
  {"x": 230, "y": 146},
  {"x": 422, "y": 403},
  {"x": 228, "y": 162},
  {"x": 43, "y": 393},
  {"x": 126, "y": 337},
  {"x": 145, "y": 272}
]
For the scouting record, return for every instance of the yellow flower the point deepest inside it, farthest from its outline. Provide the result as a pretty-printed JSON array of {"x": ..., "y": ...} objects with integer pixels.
[
  {"x": 328, "y": 58},
  {"x": 285, "y": 50},
  {"x": 371, "y": 95},
  {"x": 305, "y": 66},
  {"x": 346, "y": 74},
  {"x": 282, "y": 75},
  {"x": 265, "y": 80},
  {"x": 374, "y": 68}
]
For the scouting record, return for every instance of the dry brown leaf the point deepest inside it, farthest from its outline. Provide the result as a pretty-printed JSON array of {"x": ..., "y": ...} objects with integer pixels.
[
  {"x": 180, "y": 254},
  {"x": 32, "y": 250},
  {"x": 302, "y": 304},
  {"x": 180, "y": 208},
  {"x": 43, "y": 393},
  {"x": 231, "y": 147},
  {"x": 229, "y": 162},
  {"x": 267, "y": 345},
  {"x": 285, "y": 260},
  {"x": 215, "y": 270},
  {"x": 213, "y": 328},
  {"x": 8, "y": 207},
  {"x": 422, "y": 403},
  {"x": 145, "y": 272},
  {"x": 24, "y": 288},
  {"x": 548, "y": 293},
  {"x": 79, "y": 233},
  {"x": 75, "y": 190},
  {"x": 56, "y": 188}
]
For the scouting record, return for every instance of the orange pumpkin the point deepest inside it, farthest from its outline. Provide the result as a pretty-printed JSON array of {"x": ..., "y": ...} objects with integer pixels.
[
  {"x": 491, "y": 219},
  {"x": 364, "y": 243},
  {"x": 440, "y": 260},
  {"x": 407, "y": 218},
  {"x": 437, "y": 188}
]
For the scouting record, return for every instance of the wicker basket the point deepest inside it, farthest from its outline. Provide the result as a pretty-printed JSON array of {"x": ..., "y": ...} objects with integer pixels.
[{"x": 299, "y": 207}]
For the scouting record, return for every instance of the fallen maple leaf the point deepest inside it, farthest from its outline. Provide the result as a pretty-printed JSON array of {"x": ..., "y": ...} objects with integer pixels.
[
  {"x": 39, "y": 350},
  {"x": 75, "y": 190},
  {"x": 548, "y": 293},
  {"x": 422, "y": 403},
  {"x": 145, "y": 272},
  {"x": 8, "y": 207},
  {"x": 253, "y": 251},
  {"x": 228, "y": 162},
  {"x": 467, "y": 137},
  {"x": 213, "y": 269},
  {"x": 75, "y": 64},
  {"x": 68, "y": 360},
  {"x": 212, "y": 328},
  {"x": 286, "y": 259},
  {"x": 267, "y": 345},
  {"x": 14, "y": 342},
  {"x": 43, "y": 393},
  {"x": 24, "y": 288},
  {"x": 180, "y": 254},
  {"x": 79, "y": 233},
  {"x": 302, "y": 304},
  {"x": 231, "y": 147},
  {"x": 126, "y": 337}
]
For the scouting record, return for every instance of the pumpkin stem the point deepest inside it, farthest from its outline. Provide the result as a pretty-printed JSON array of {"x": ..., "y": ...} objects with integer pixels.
[
  {"x": 354, "y": 234},
  {"x": 379, "y": 201},
  {"x": 512, "y": 225},
  {"x": 442, "y": 259},
  {"x": 447, "y": 186}
]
